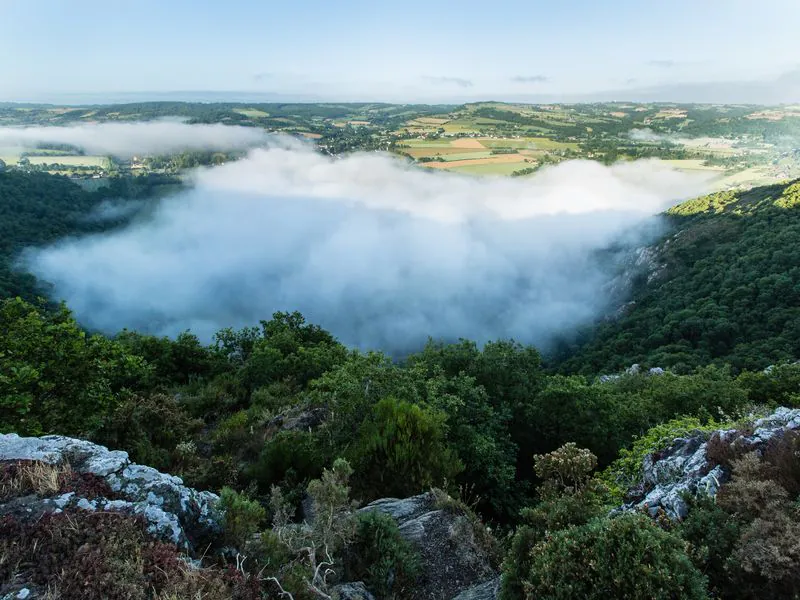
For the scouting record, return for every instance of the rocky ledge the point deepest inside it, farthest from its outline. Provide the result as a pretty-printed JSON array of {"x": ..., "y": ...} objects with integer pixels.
[
  {"x": 173, "y": 512},
  {"x": 457, "y": 562},
  {"x": 685, "y": 467}
]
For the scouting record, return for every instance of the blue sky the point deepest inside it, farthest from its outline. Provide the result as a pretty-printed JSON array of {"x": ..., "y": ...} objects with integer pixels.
[{"x": 402, "y": 51}]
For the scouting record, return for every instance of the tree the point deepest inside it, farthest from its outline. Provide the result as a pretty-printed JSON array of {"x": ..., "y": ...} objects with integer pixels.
[
  {"x": 401, "y": 451},
  {"x": 54, "y": 378}
]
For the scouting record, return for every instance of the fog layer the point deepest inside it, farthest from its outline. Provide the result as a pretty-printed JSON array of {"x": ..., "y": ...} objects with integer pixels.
[
  {"x": 129, "y": 139},
  {"x": 381, "y": 253}
]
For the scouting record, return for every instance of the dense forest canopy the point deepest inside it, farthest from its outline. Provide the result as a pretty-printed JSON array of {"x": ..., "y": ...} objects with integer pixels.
[{"x": 724, "y": 289}]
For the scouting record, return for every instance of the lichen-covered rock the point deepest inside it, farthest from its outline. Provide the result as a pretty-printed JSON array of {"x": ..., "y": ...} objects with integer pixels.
[
  {"x": 351, "y": 591},
  {"x": 453, "y": 559},
  {"x": 685, "y": 468},
  {"x": 174, "y": 512},
  {"x": 488, "y": 590}
]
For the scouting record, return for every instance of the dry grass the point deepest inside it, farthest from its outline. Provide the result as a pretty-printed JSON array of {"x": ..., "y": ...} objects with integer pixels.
[{"x": 36, "y": 477}]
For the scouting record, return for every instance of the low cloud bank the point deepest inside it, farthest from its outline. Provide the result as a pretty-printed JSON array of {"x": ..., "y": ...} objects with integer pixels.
[
  {"x": 129, "y": 139},
  {"x": 381, "y": 253}
]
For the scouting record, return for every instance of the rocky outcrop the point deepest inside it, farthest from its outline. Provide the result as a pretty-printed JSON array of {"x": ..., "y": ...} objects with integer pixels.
[
  {"x": 297, "y": 420},
  {"x": 351, "y": 591},
  {"x": 173, "y": 512},
  {"x": 455, "y": 560},
  {"x": 685, "y": 467},
  {"x": 484, "y": 591}
]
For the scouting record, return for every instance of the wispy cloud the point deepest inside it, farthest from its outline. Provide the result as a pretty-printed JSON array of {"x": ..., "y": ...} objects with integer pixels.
[
  {"x": 464, "y": 83},
  {"x": 530, "y": 79},
  {"x": 128, "y": 139}
]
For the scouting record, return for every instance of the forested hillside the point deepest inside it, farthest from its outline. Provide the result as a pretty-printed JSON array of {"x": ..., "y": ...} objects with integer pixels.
[
  {"x": 724, "y": 289},
  {"x": 38, "y": 209}
]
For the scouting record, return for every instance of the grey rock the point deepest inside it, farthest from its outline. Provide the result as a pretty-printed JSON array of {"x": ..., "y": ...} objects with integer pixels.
[
  {"x": 173, "y": 511},
  {"x": 488, "y": 590},
  {"x": 453, "y": 557},
  {"x": 401, "y": 509},
  {"x": 294, "y": 420},
  {"x": 684, "y": 469},
  {"x": 351, "y": 591}
]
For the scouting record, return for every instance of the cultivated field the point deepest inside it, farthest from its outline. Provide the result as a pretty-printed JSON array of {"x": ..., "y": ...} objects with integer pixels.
[{"x": 69, "y": 161}]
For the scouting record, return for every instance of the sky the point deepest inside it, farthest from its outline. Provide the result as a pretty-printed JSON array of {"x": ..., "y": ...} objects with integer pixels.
[{"x": 411, "y": 51}]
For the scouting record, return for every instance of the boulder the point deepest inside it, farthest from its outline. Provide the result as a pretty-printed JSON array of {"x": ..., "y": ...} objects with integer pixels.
[
  {"x": 488, "y": 590},
  {"x": 173, "y": 512},
  {"x": 455, "y": 560}
]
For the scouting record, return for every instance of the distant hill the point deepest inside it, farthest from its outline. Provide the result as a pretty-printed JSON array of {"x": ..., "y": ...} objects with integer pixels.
[{"x": 724, "y": 288}]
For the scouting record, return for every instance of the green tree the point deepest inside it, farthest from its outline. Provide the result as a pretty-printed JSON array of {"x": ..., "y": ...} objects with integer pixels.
[
  {"x": 401, "y": 451},
  {"x": 54, "y": 378}
]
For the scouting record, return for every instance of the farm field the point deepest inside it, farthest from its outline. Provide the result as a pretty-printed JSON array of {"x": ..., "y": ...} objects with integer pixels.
[
  {"x": 493, "y": 168},
  {"x": 483, "y": 155},
  {"x": 69, "y": 161},
  {"x": 693, "y": 164},
  {"x": 495, "y": 160}
]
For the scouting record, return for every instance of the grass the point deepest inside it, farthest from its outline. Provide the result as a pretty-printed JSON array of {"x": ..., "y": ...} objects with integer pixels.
[{"x": 39, "y": 477}]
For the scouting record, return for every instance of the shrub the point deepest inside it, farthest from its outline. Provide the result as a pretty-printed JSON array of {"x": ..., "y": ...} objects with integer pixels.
[
  {"x": 517, "y": 563},
  {"x": 290, "y": 459},
  {"x": 566, "y": 469},
  {"x": 103, "y": 556},
  {"x": 768, "y": 554},
  {"x": 381, "y": 558},
  {"x": 243, "y": 517},
  {"x": 751, "y": 492},
  {"x": 783, "y": 455},
  {"x": 53, "y": 377},
  {"x": 712, "y": 534},
  {"x": 627, "y": 557},
  {"x": 148, "y": 427}
]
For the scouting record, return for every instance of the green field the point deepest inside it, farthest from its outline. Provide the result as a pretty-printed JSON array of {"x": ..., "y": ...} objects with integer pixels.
[
  {"x": 489, "y": 169},
  {"x": 69, "y": 161}
]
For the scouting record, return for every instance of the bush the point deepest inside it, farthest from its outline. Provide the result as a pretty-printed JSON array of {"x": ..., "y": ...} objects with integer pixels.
[
  {"x": 290, "y": 459},
  {"x": 381, "y": 558},
  {"x": 53, "y": 377},
  {"x": 149, "y": 428},
  {"x": 627, "y": 557},
  {"x": 713, "y": 534},
  {"x": 566, "y": 469},
  {"x": 768, "y": 554},
  {"x": 243, "y": 517},
  {"x": 517, "y": 563}
]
